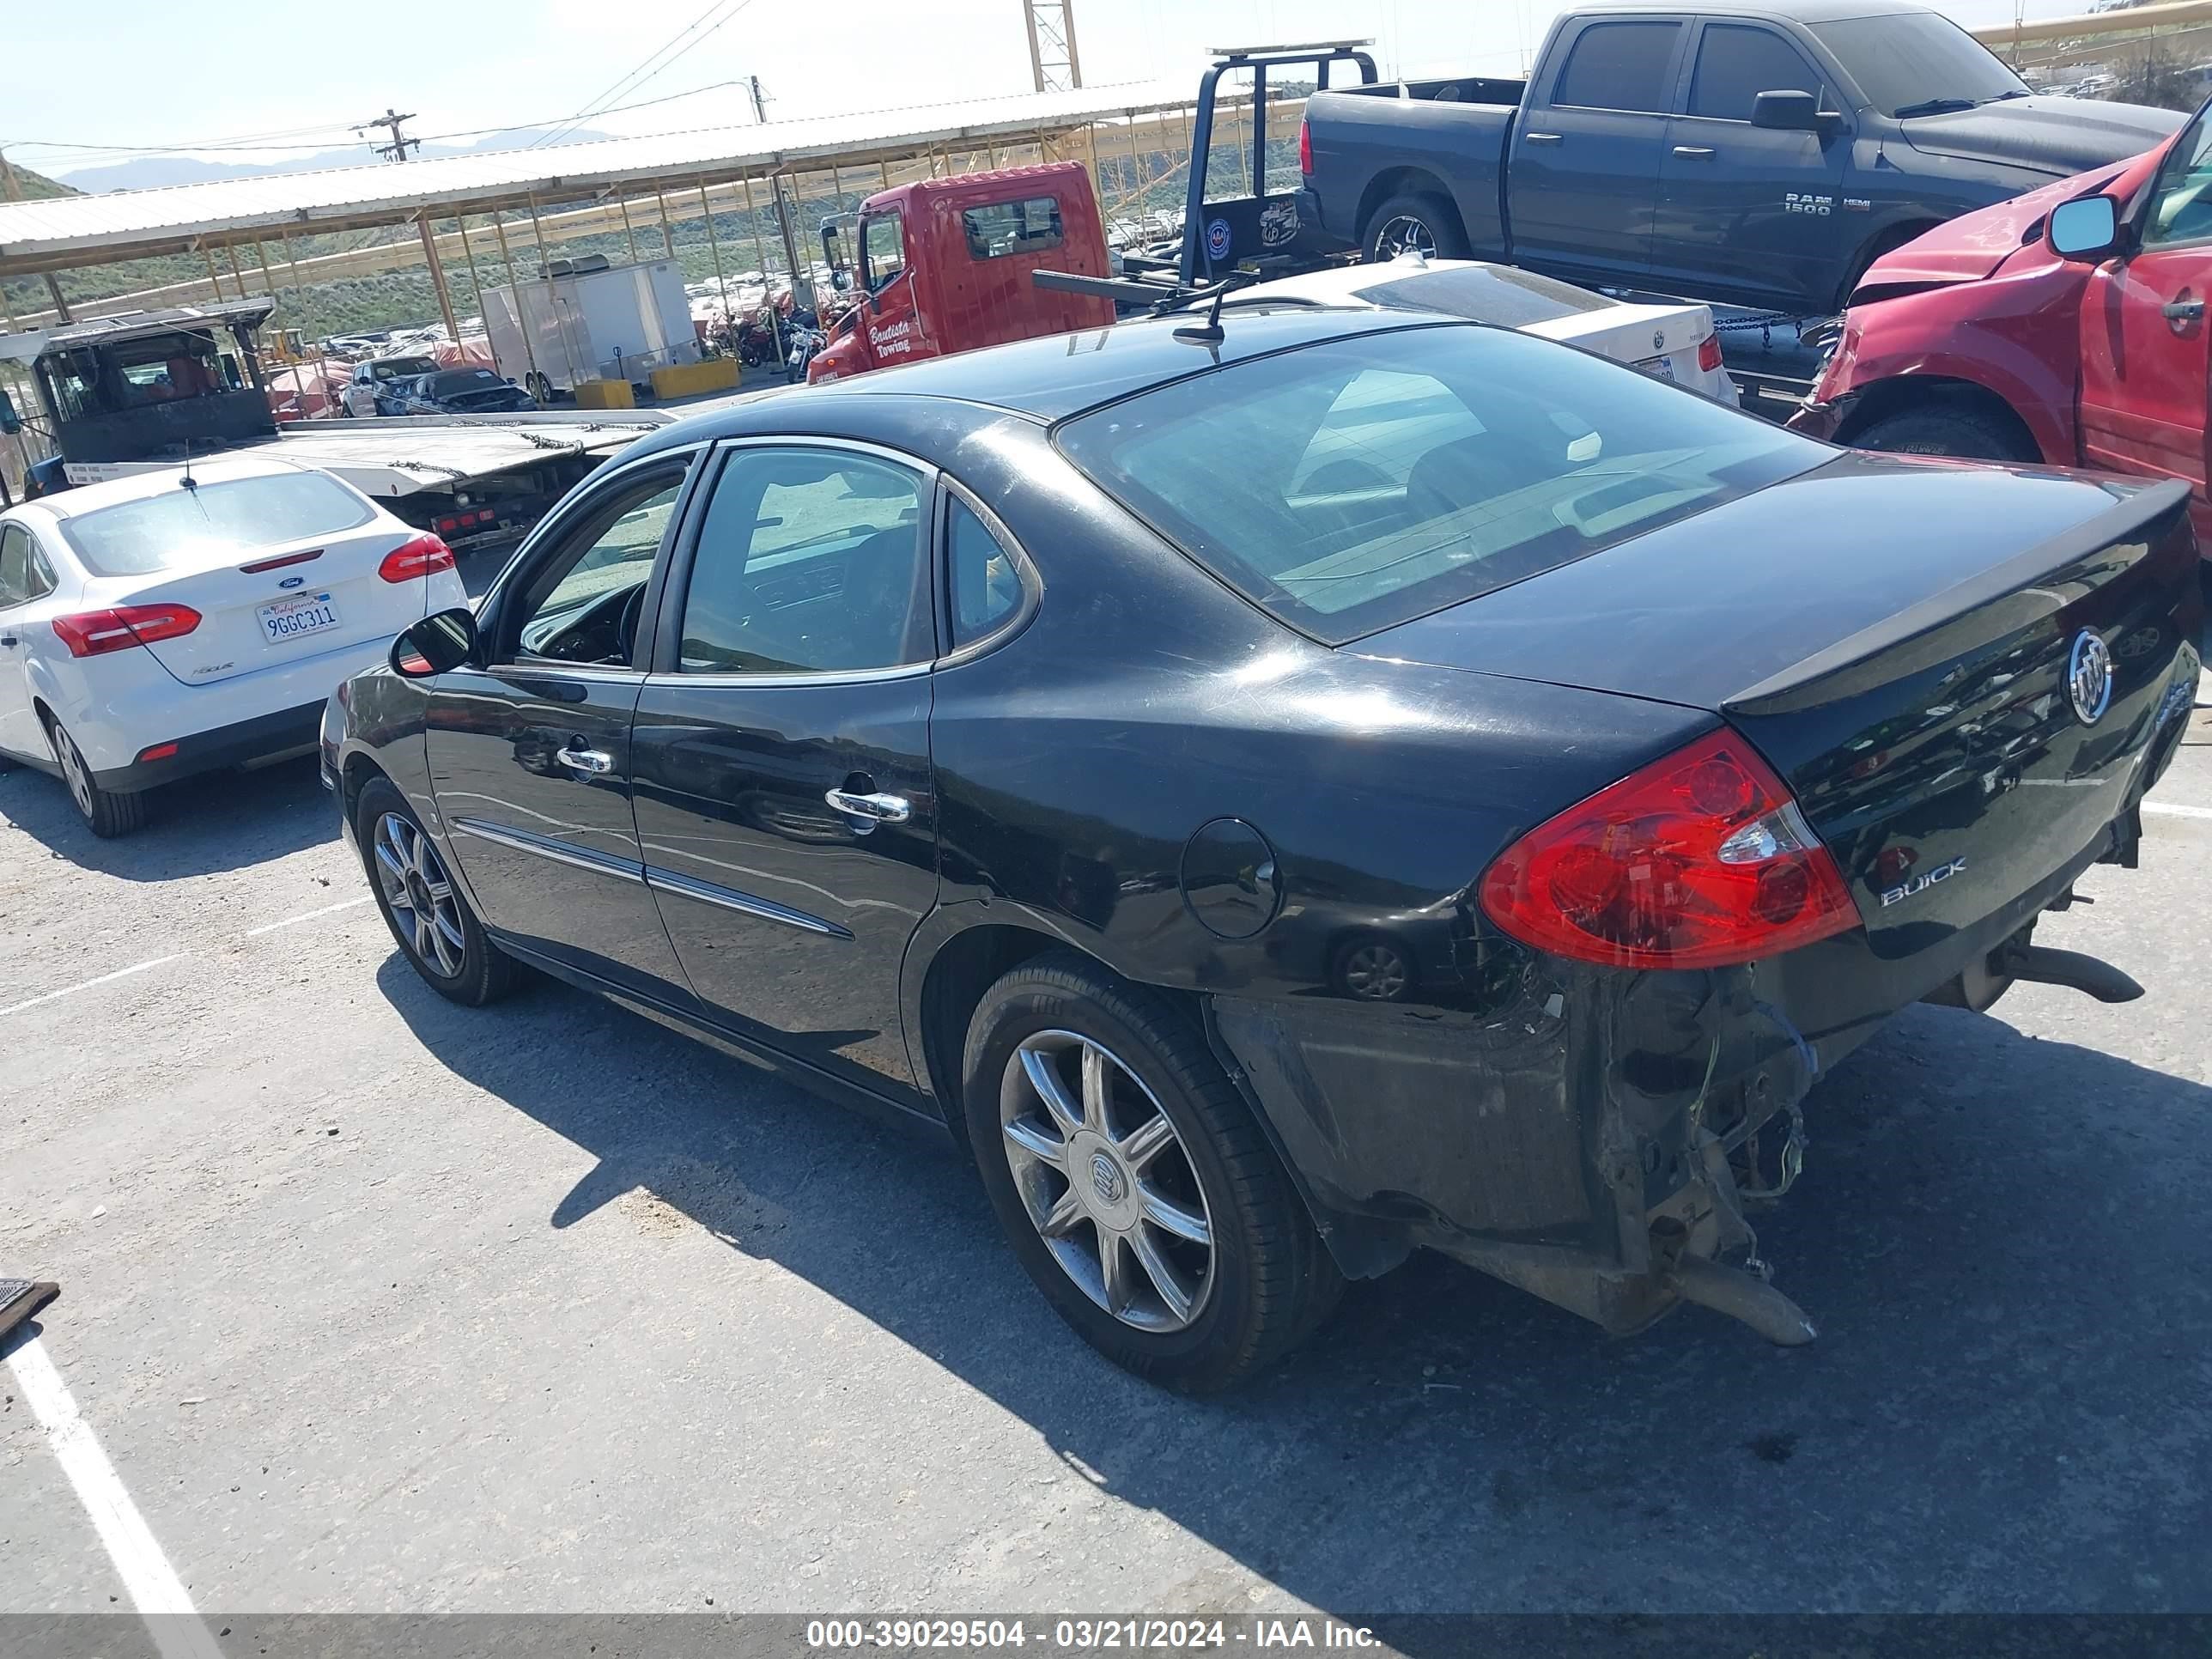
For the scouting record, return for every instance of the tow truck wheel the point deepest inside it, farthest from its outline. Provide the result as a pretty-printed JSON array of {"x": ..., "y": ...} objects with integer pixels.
[
  {"x": 1968, "y": 434},
  {"x": 1415, "y": 224}
]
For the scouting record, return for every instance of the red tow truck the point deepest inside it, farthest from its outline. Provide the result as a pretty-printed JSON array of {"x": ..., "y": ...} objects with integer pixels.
[
  {"x": 944, "y": 265},
  {"x": 2067, "y": 326}
]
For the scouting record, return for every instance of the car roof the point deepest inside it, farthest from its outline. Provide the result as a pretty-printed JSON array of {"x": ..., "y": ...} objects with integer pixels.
[
  {"x": 1793, "y": 11},
  {"x": 137, "y": 486},
  {"x": 1050, "y": 379}
]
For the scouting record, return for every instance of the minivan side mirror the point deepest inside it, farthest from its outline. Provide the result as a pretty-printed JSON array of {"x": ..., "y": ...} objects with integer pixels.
[
  {"x": 1787, "y": 111},
  {"x": 436, "y": 645},
  {"x": 2088, "y": 229},
  {"x": 10, "y": 422}
]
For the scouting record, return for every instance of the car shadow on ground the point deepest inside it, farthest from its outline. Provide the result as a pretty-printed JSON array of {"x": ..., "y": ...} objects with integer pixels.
[
  {"x": 2001, "y": 1237},
  {"x": 197, "y": 826}
]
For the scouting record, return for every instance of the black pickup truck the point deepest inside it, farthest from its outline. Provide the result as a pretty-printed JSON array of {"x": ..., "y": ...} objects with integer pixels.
[{"x": 1758, "y": 154}]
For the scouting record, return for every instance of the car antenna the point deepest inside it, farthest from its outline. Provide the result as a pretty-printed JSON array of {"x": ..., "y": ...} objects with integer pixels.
[
  {"x": 1209, "y": 331},
  {"x": 188, "y": 481}
]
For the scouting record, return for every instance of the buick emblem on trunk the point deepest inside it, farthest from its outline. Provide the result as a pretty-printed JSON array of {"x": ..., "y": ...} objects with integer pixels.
[{"x": 2089, "y": 677}]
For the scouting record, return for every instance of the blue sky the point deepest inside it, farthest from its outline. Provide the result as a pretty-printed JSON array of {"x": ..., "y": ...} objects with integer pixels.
[{"x": 257, "y": 68}]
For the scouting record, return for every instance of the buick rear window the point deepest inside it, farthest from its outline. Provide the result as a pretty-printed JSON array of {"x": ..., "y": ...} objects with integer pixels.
[
  {"x": 1350, "y": 486},
  {"x": 176, "y": 528}
]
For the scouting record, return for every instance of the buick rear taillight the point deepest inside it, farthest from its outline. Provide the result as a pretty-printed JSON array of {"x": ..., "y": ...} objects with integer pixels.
[
  {"x": 425, "y": 555},
  {"x": 97, "y": 633},
  {"x": 1305, "y": 150},
  {"x": 1700, "y": 860},
  {"x": 1709, "y": 353}
]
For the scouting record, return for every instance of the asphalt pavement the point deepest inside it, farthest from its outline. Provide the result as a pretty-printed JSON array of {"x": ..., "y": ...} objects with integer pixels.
[{"x": 377, "y": 1305}]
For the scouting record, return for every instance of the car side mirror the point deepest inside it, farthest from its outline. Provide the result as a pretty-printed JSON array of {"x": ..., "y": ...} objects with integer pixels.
[
  {"x": 2088, "y": 229},
  {"x": 10, "y": 422},
  {"x": 841, "y": 280},
  {"x": 436, "y": 645},
  {"x": 1787, "y": 111}
]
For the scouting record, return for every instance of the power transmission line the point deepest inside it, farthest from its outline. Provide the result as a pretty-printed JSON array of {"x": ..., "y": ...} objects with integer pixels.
[{"x": 646, "y": 71}]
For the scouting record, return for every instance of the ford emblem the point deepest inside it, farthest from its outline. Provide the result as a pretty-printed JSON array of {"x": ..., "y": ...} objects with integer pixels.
[
  {"x": 293, "y": 581},
  {"x": 2089, "y": 678}
]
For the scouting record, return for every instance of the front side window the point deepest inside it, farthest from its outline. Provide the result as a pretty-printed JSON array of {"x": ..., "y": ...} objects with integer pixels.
[
  {"x": 810, "y": 561},
  {"x": 883, "y": 250},
  {"x": 1737, "y": 64},
  {"x": 1619, "y": 66},
  {"x": 1350, "y": 486},
  {"x": 1002, "y": 228},
  {"x": 581, "y": 604},
  {"x": 2181, "y": 200},
  {"x": 181, "y": 527}
]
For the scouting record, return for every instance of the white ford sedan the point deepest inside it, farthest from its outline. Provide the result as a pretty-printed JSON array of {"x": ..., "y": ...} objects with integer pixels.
[
  {"x": 1671, "y": 341},
  {"x": 164, "y": 625}
]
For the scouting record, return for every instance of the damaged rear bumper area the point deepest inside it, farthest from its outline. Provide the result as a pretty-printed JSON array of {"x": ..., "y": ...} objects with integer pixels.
[{"x": 1604, "y": 1139}]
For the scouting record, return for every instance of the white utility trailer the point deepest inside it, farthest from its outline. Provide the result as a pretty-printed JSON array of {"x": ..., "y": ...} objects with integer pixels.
[{"x": 588, "y": 319}]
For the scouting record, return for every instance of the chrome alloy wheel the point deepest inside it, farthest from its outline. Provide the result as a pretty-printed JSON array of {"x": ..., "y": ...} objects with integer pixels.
[
  {"x": 1107, "y": 1182},
  {"x": 421, "y": 895},
  {"x": 1405, "y": 235}
]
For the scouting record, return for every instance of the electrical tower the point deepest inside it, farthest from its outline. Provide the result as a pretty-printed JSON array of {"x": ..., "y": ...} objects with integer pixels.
[
  {"x": 1053, "y": 59},
  {"x": 400, "y": 144}
]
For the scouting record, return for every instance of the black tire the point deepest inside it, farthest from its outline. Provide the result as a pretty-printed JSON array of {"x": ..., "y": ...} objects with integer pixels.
[
  {"x": 1969, "y": 434},
  {"x": 1382, "y": 240},
  {"x": 1272, "y": 1283},
  {"x": 108, "y": 813},
  {"x": 483, "y": 973}
]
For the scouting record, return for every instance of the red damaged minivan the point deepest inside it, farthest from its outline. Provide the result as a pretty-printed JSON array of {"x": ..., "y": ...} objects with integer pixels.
[{"x": 2065, "y": 325}]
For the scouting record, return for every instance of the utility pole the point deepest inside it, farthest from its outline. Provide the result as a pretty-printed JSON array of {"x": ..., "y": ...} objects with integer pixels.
[
  {"x": 801, "y": 284},
  {"x": 14, "y": 186},
  {"x": 1053, "y": 62},
  {"x": 400, "y": 144}
]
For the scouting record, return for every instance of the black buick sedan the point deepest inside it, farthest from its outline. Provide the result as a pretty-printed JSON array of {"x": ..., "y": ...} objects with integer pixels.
[{"x": 1285, "y": 796}]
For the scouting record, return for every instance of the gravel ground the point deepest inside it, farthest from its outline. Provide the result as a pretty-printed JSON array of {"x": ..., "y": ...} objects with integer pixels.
[{"x": 378, "y": 1304}]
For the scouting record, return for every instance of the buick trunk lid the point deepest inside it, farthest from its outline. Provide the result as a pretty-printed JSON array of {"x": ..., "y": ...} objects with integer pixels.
[{"x": 1909, "y": 667}]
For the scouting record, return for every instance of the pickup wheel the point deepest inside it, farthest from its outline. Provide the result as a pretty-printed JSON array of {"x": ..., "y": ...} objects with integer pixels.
[
  {"x": 1968, "y": 434},
  {"x": 1418, "y": 223}
]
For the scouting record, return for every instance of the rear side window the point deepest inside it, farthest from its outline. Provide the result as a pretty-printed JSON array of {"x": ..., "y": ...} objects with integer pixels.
[
  {"x": 15, "y": 565},
  {"x": 1003, "y": 228},
  {"x": 810, "y": 561},
  {"x": 1735, "y": 64},
  {"x": 987, "y": 589},
  {"x": 1350, "y": 486},
  {"x": 178, "y": 526},
  {"x": 1619, "y": 66}
]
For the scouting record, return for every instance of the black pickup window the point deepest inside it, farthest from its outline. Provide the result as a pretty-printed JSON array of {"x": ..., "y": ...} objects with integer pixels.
[
  {"x": 1735, "y": 64},
  {"x": 1619, "y": 66}
]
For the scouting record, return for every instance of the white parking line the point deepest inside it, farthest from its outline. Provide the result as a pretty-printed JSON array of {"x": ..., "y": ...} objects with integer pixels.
[
  {"x": 2173, "y": 812},
  {"x": 161, "y": 1600},
  {"x": 293, "y": 922},
  {"x": 85, "y": 985}
]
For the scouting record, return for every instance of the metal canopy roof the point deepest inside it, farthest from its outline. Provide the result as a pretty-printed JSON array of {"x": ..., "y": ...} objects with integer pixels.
[{"x": 61, "y": 232}]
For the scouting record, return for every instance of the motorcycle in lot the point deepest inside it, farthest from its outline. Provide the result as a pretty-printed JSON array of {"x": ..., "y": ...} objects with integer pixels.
[{"x": 802, "y": 339}]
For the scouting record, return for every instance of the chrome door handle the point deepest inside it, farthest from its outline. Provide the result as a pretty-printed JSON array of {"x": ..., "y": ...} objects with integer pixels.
[
  {"x": 1693, "y": 150},
  {"x": 590, "y": 762},
  {"x": 1540, "y": 137},
  {"x": 870, "y": 810},
  {"x": 2182, "y": 312}
]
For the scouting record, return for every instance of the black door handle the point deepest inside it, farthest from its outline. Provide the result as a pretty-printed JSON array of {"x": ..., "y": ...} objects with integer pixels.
[{"x": 8, "y": 639}]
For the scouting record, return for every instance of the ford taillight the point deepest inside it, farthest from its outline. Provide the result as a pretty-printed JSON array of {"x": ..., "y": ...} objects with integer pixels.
[
  {"x": 422, "y": 557},
  {"x": 97, "y": 633},
  {"x": 1700, "y": 860}
]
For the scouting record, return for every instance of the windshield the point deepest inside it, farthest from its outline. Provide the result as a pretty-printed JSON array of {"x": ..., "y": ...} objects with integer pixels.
[
  {"x": 464, "y": 379},
  {"x": 183, "y": 527},
  {"x": 395, "y": 368},
  {"x": 1352, "y": 486},
  {"x": 1908, "y": 61},
  {"x": 1496, "y": 293}
]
